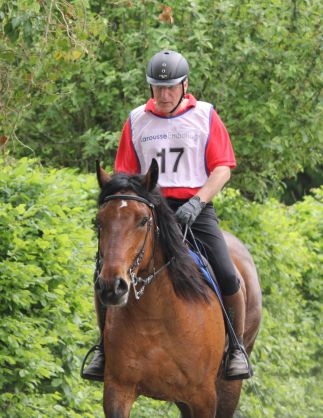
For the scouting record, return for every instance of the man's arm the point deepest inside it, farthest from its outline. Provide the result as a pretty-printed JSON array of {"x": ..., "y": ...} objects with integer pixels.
[
  {"x": 126, "y": 160},
  {"x": 214, "y": 184},
  {"x": 187, "y": 213}
]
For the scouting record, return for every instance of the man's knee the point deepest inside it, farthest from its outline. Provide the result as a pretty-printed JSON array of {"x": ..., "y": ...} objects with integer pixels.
[{"x": 229, "y": 284}]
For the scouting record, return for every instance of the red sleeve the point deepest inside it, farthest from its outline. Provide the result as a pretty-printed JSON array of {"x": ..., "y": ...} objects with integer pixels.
[
  {"x": 219, "y": 149},
  {"x": 126, "y": 159}
]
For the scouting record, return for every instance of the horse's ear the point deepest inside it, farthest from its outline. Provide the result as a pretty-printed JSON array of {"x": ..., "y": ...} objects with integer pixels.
[
  {"x": 102, "y": 176},
  {"x": 151, "y": 178}
]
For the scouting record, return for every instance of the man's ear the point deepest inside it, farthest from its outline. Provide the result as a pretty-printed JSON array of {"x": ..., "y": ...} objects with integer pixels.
[
  {"x": 151, "y": 178},
  {"x": 102, "y": 176},
  {"x": 185, "y": 86}
]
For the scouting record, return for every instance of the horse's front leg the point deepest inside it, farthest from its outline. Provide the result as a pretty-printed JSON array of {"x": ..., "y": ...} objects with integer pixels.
[
  {"x": 184, "y": 409},
  {"x": 203, "y": 404},
  {"x": 118, "y": 400}
]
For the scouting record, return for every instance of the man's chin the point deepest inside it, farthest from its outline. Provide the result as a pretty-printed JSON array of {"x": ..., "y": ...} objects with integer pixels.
[{"x": 164, "y": 109}]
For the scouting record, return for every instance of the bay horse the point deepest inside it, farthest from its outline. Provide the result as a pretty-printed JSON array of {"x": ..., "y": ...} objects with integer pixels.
[{"x": 164, "y": 334}]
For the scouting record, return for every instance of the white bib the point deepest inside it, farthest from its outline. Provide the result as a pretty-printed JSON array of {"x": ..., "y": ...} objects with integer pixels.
[{"x": 178, "y": 143}]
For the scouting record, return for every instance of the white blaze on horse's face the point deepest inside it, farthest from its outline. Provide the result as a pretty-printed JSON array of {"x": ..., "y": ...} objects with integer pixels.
[{"x": 124, "y": 204}]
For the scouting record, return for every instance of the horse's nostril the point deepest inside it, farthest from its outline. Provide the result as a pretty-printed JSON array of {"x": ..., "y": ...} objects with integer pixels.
[
  {"x": 120, "y": 286},
  {"x": 99, "y": 284},
  {"x": 111, "y": 292}
]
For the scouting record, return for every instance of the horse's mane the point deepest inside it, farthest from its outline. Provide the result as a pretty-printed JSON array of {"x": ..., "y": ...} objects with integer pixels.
[{"x": 183, "y": 270}]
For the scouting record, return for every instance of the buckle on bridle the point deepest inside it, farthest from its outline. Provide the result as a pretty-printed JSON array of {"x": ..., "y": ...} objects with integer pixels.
[{"x": 135, "y": 281}]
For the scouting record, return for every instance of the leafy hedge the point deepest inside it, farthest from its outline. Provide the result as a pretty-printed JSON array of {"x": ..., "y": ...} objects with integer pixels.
[
  {"x": 46, "y": 257},
  {"x": 46, "y": 253},
  {"x": 286, "y": 243}
]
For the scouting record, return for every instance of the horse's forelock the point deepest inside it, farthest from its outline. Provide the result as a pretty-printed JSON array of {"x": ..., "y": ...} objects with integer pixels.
[{"x": 119, "y": 182}]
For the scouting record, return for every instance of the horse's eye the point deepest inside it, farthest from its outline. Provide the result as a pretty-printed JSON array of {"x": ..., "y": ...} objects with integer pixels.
[{"x": 143, "y": 221}]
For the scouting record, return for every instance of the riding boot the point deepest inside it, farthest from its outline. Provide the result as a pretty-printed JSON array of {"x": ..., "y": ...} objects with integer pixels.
[
  {"x": 95, "y": 370},
  {"x": 236, "y": 362}
]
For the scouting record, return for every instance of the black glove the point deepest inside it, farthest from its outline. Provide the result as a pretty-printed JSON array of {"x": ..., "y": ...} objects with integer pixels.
[{"x": 187, "y": 213}]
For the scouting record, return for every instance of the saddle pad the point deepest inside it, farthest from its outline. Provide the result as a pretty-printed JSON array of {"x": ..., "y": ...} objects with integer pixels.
[{"x": 206, "y": 274}]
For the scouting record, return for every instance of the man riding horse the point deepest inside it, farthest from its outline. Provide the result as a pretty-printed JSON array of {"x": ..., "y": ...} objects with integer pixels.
[{"x": 195, "y": 157}]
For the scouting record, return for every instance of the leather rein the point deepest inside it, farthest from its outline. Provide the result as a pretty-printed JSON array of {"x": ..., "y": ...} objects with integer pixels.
[{"x": 135, "y": 280}]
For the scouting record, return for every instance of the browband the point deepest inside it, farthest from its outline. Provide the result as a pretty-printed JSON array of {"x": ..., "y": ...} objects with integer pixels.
[{"x": 128, "y": 197}]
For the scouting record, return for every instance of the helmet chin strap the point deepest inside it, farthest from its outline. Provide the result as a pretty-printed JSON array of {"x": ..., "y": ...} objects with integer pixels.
[
  {"x": 151, "y": 91},
  {"x": 180, "y": 100}
]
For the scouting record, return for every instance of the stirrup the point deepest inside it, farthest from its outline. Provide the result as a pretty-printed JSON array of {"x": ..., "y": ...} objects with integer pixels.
[
  {"x": 84, "y": 376},
  {"x": 242, "y": 376}
]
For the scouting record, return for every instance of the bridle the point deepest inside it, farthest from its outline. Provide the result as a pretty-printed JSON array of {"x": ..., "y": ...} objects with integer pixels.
[{"x": 135, "y": 280}]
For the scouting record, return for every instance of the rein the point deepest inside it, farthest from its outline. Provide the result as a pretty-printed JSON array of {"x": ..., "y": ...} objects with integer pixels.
[{"x": 135, "y": 280}]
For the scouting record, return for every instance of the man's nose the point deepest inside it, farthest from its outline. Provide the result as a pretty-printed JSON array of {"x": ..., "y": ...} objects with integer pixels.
[{"x": 164, "y": 92}]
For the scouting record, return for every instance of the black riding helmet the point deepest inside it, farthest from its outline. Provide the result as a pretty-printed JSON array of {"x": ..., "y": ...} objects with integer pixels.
[{"x": 165, "y": 69}]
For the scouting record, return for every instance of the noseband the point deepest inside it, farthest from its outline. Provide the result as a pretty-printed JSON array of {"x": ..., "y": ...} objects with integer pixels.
[{"x": 135, "y": 280}]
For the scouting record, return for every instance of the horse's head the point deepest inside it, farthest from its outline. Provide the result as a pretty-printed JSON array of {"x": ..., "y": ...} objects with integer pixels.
[{"x": 126, "y": 233}]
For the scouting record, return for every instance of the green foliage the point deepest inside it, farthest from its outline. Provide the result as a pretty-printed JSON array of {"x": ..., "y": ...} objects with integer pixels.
[
  {"x": 286, "y": 244},
  {"x": 46, "y": 257},
  {"x": 73, "y": 70}
]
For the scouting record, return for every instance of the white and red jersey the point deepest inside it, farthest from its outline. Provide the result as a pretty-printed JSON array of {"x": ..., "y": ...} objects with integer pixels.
[{"x": 188, "y": 146}]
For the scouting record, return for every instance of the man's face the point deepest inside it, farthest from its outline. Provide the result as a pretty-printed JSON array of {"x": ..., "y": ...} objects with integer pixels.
[{"x": 168, "y": 97}]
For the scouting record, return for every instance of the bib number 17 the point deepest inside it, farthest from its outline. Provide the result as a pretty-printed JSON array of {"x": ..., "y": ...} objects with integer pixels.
[{"x": 162, "y": 155}]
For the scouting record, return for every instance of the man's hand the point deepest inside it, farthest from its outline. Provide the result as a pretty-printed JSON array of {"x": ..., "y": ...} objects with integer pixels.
[{"x": 187, "y": 213}]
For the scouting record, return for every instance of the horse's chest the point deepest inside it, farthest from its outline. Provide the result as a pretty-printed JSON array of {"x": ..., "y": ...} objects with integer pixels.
[{"x": 155, "y": 366}]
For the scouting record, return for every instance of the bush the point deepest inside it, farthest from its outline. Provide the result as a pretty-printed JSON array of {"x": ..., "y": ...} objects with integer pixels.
[
  {"x": 286, "y": 244},
  {"x": 46, "y": 250}
]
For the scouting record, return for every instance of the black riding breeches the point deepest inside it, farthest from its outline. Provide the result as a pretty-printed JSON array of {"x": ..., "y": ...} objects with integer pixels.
[{"x": 207, "y": 232}]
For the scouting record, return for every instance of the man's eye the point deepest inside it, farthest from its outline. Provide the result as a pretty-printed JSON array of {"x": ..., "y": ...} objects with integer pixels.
[{"x": 143, "y": 221}]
